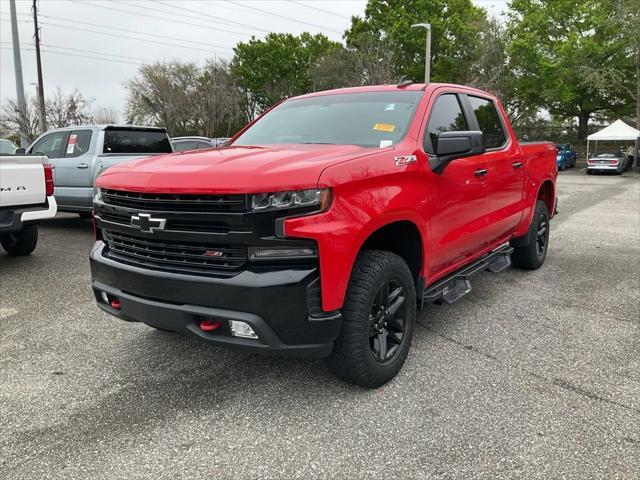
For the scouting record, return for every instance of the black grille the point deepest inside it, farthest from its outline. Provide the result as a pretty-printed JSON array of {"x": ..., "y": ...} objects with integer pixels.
[
  {"x": 175, "y": 224},
  {"x": 171, "y": 255},
  {"x": 175, "y": 202}
]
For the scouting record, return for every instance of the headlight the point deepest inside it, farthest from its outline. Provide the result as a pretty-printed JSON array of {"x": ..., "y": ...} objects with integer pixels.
[{"x": 291, "y": 199}]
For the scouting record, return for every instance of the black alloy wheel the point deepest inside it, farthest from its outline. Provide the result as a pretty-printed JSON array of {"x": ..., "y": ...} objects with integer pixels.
[
  {"x": 542, "y": 235},
  {"x": 387, "y": 320}
]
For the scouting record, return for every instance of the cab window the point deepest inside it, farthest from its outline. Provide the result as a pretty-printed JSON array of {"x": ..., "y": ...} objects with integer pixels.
[
  {"x": 50, "y": 145},
  {"x": 446, "y": 116},
  {"x": 78, "y": 143},
  {"x": 489, "y": 121}
]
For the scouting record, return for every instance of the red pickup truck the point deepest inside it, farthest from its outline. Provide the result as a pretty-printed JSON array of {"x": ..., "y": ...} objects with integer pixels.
[{"x": 325, "y": 224}]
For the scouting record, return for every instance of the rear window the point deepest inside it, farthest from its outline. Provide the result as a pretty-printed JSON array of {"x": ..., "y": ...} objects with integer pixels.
[{"x": 136, "y": 141}]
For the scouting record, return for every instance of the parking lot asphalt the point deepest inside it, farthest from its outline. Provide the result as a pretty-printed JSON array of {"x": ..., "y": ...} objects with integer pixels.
[{"x": 532, "y": 375}]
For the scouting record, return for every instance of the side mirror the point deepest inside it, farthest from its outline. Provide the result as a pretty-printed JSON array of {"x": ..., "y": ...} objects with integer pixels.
[
  {"x": 452, "y": 145},
  {"x": 20, "y": 151}
]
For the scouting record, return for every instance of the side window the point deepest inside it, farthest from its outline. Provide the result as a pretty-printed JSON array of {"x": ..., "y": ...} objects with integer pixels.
[
  {"x": 185, "y": 145},
  {"x": 202, "y": 145},
  {"x": 50, "y": 145},
  {"x": 489, "y": 121},
  {"x": 446, "y": 116},
  {"x": 78, "y": 143}
]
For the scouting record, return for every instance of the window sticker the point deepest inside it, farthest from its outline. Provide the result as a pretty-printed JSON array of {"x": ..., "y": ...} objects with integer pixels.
[
  {"x": 384, "y": 127},
  {"x": 390, "y": 106},
  {"x": 71, "y": 144},
  {"x": 385, "y": 143}
]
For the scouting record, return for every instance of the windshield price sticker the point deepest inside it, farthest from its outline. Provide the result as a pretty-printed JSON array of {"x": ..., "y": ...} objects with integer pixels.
[
  {"x": 71, "y": 144},
  {"x": 384, "y": 127}
]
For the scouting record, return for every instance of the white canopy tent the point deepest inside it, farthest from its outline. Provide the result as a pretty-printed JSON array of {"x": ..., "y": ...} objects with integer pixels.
[{"x": 617, "y": 131}]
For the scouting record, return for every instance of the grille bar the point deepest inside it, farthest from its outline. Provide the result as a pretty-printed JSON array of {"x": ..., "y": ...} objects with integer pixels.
[
  {"x": 175, "y": 202},
  {"x": 164, "y": 253}
]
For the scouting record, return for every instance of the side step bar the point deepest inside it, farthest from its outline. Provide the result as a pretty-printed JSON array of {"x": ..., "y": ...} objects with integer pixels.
[{"x": 455, "y": 286}]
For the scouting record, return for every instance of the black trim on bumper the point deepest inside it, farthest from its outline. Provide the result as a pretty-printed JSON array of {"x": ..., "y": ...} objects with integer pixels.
[{"x": 272, "y": 301}]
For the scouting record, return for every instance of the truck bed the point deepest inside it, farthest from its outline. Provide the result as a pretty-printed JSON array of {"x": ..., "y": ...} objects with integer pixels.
[{"x": 22, "y": 180}]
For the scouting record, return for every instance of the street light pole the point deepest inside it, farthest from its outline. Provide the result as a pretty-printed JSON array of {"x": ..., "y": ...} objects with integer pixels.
[
  {"x": 427, "y": 57},
  {"x": 17, "y": 63}
]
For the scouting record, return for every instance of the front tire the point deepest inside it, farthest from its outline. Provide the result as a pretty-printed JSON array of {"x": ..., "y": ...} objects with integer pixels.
[
  {"x": 532, "y": 255},
  {"x": 21, "y": 243},
  {"x": 379, "y": 316}
]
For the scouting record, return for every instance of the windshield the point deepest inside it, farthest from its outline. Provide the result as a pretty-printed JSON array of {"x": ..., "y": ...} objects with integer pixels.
[
  {"x": 136, "y": 141},
  {"x": 562, "y": 148},
  {"x": 368, "y": 119},
  {"x": 607, "y": 155},
  {"x": 7, "y": 147}
]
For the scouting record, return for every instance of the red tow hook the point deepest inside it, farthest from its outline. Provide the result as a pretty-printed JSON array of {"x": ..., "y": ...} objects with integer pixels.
[
  {"x": 209, "y": 325},
  {"x": 115, "y": 304}
]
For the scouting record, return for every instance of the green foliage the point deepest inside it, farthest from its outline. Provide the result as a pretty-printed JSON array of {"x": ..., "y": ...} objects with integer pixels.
[
  {"x": 569, "y": 57},
  {"x": 279, "y": 66},
  {"x": 456, "y": 35}
]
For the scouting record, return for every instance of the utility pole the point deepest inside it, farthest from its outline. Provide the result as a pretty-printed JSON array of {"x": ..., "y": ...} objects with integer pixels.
[
  {"x": 17, "y": 64},
  {"x": 43, "y": 118},
  {"x": 427, "y": 57}
]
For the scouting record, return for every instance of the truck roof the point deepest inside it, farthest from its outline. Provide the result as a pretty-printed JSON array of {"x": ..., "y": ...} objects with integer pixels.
[
  {"x": 110, "y": 126},
  {"x": 391, "y": 88}
]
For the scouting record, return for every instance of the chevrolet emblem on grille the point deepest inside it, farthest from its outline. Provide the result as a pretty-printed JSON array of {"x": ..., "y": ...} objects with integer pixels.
[{"x": 146, "y": 223}]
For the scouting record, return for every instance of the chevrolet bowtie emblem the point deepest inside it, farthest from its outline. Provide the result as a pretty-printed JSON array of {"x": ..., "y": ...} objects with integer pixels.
[{"x": 146, "y": 223}]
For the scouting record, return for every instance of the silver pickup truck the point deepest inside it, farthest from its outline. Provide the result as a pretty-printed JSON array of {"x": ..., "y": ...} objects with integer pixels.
[
  {"x": 79, "y": 154},
  {"x": 26, "y": 197}
]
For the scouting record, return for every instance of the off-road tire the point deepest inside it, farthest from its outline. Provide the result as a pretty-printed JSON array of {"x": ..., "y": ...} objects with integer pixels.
[
  {"x": 530, "y": 256},
  {"x": 20, "y": 243},
  {"x": 352, "y": 358}
]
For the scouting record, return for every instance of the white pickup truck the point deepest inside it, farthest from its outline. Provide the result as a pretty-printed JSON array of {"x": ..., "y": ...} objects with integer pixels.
[{"x": 26, "y": 197}]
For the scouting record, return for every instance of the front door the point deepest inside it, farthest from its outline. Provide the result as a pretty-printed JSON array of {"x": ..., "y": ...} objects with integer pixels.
[{"x": 457, "y": 206}]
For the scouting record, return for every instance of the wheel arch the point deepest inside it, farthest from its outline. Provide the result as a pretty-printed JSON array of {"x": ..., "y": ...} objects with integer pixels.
[
  {"x": 546, "y": 193},
  {"x": 402, "y": 237}
]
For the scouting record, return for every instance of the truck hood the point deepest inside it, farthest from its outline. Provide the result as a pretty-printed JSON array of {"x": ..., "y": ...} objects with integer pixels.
[{"x": 231, "y": 169}]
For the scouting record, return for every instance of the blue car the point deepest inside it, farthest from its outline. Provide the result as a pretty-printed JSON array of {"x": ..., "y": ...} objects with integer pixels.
[{"x": 566, "y": 156}]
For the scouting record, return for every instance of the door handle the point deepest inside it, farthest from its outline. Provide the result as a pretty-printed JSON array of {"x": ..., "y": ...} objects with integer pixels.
[
  {"x": 517, "y": 164},
  {"x": 82, "y": 165},
  {"x": 481, "y": 172}
]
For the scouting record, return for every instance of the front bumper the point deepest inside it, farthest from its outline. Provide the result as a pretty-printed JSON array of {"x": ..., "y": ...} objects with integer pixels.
[{"x": 277, "y": 304}]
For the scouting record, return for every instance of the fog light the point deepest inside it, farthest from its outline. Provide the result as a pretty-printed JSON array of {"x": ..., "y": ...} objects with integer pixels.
[
  {"x": 242, "y": 329},
  {"x": 259, "y": 253}
]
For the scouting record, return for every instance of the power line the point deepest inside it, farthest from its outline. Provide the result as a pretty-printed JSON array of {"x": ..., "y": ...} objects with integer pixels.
[
  {"x": 98, "y": 53},
  {"x": 165, "y": 19},
  {"x": 138, "y": 33},
  {"x": 77, "y": 55},
  {"x": 312, "y": 7},
  {"x": 157, "y": 42},
  {"x": 267, "y": 12},
  {"x": 228, "y": 22}
]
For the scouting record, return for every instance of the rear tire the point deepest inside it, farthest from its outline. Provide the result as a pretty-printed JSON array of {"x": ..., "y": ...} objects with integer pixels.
[
  {"x": 21, "y": 243},
  {"x": 379, "y": 317},
  {"x": 532, "y": 255},
  {"x": 563, "y": 165}
]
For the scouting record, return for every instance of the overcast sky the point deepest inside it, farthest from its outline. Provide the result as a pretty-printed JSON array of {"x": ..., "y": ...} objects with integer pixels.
[{"x": 121, "y": 35}]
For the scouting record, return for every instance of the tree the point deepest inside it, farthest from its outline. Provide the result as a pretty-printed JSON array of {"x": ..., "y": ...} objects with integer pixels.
[
  {"x": 560, "y": 51},
  {"x": 64, "y": 110},
  {"x": 165, "y": 94},
  {"x": 12, "y": 122},
  {"x": 456, "y": 35},
  {"x": 367, "y": 63},
  {"x": 279, "y": 66},
  {"x": 104, "y": 116}
]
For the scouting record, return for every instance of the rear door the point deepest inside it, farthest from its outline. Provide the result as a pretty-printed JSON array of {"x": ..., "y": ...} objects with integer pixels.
[
  {"x": 457, "y": 214},
  {"x": 74, "y": 171},
  {"x": 505, "y": 184}
]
